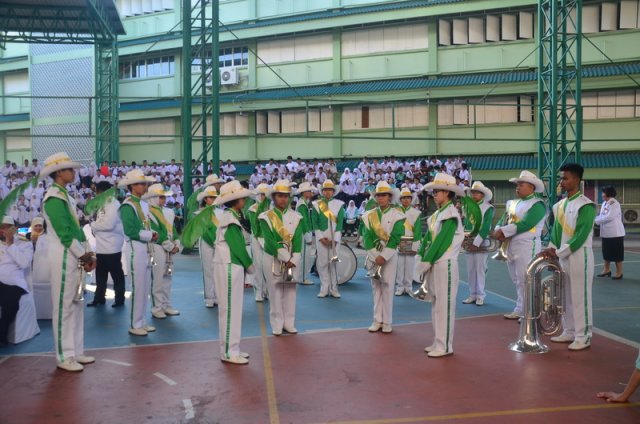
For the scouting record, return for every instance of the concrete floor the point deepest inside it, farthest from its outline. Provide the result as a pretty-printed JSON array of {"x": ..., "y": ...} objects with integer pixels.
[{"x": 334, "y": 370}]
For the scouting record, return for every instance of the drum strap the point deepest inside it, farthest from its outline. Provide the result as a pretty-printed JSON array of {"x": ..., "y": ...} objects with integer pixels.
[
  {"x": 278, "y": 226},
  {"x": 376, "y": 225}
]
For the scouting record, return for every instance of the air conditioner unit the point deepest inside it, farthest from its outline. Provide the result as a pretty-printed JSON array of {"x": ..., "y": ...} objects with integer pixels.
[
  {"x": 631, "y": 216},
  {"x": 228, "y": 76}
]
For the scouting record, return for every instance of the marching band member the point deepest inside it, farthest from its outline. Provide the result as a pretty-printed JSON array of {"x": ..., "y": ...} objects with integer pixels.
[
  {"x": 521, "y": 227},
  {"x": 571, "y": 238},
  {"x": 139, "y": 250},
  {"x": 262, "y": 203},
  {"x": 282, "y": 232},
  {"x": 231, "y": 262},
  {"x": 306, "y": 191},
  {"x": 167, "y": 244},
  {"x": 477, "y": 259},
  {"x": 207, "y": 245},
  {"x": 383, "y": 227},
  {"x": 439, "y": 259},
  {"x": 327, "y": 218},
  {"x": 413, "y": 230},
  {"x": 68, "y": 253}
]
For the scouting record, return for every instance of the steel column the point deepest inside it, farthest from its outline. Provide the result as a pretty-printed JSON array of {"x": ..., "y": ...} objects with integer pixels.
[{"x": 106, "y": 104}]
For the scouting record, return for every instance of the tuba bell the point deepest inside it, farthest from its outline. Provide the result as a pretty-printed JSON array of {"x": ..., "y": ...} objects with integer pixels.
[{"x": 543, "y": 305}]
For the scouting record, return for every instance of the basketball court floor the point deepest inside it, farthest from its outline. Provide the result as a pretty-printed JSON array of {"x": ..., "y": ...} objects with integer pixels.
[{"x": 333, "y": 371}]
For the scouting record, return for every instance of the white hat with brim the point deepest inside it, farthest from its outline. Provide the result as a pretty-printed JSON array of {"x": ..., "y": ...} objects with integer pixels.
[
  {"x": 38, "y": 220},
  {"x": 135, "y": 176},
  {"x": 57, "y": 162},
  {"x": 383, "y": 187},
  {"x": 405, "y": 192},
  {"x": 330, "y": 185},
  {"x": 478, "y": 186},
  {"x": 444, "y": 182},
  {"x": 531, "y": 178},
  {"x": 281, "y": 186},
  {"x": 213, "y": 179},
  {"x": 231, "y": 191},
  {"x": 207, "y": 192},
  {"x": 7, "y": 220},
  {"x": 156, "y": 190},
  {"x": 306, "y": 186},
  {"x": 261, "y": 188}
]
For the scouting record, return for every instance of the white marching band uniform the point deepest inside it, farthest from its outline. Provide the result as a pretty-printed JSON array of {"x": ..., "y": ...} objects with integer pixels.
[{"x": 406, "y": 262}]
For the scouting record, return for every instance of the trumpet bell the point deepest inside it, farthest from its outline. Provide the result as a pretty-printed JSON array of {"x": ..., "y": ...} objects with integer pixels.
[
  {"x": 423, "y": 294},
  {"x": 334, "y": 259},
  {"x": 500, "y": 256},
  {"x": 376, "y": 273}
]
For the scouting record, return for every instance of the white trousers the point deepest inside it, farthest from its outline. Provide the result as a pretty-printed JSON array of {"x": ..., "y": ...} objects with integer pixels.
[
  {"x": 67, "y": 315},
  {"x": 282, "y": 297},
  {"x": 229, "y": 281},
  {"x": 405, "y": 270},
  {"x": 326, "y": 269},
  {"x": 301, "y": 273},
  {"x": 476, "y": 274},
  {"x": 206, "y": 258},
  {"x": 383, "y": 292},
  {"x": 160, "y": 283},
  {"x": 443, "y": 279},
  {"x": 140, "y": 277},
  {"x": 577, "y": 320},
  {"x": 521, "y": 253},
  {"x": 257, "y": 254}
]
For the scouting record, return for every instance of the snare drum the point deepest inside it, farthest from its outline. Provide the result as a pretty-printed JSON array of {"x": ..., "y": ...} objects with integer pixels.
[
  {"x": 406, "y": 246},
  {"x": 348, "y": 264}
]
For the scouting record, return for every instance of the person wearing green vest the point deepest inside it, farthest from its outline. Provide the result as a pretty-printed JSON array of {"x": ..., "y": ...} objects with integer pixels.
[
  {"x": 477, "y": 258},
  {"x": 571, "y": 243},
  {"x": 438, "y": 264},
  {"x": 138, "y": 247},
  {"x": 327, "y": 217},
  {"x": 383, "y": 229},
  {"x": 262, "y": 203},
  {"x": 231, "y": 262},
  {"x": 206, "y": 245},
  {"x": 281, "y": 229},
  {"x": 409, "y": 246},
  {"x": 69, "y": 255},
  {"x": 164, "y": 247},
  {"x": 521, "y": 228},
  {"x": 306, "y": 191}
]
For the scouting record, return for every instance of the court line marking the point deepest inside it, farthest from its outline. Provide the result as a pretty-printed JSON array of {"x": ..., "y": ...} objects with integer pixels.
[
  {"x": 189, "y": 412},
  {"x": 616, "y": 308},
  {"x": 111, "y": 361},
  {"x": 4, "y": 358},
  {"x": 164, "y": 378},
  {"x": 274, "y": 415},
  {"x": 508, "y": 412},
  {"x": 616, "y": 338}
]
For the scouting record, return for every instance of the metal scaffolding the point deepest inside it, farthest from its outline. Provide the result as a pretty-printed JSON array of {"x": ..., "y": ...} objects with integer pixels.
[
  {"x": 559, "y": 88},
  {"x": 107, "y": 105},
  {"x": 202, "y": 88}
]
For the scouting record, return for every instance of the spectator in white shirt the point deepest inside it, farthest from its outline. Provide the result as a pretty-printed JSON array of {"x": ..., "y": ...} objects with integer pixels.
[
  {"x": 229, "y": 168},
  {"x": 612, "y": 232}
]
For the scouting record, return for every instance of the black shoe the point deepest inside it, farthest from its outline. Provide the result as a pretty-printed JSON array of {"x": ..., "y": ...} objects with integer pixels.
[
  {"x": 618, "y": 277},
  {"x": 95, "y": 303},
  {"x": 604, "y": 274},
  {"x": 117, "y": 304}
]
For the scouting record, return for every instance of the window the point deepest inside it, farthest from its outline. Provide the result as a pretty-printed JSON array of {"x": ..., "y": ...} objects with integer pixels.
[
  {"x": 234, "y": 124},
  {"x": 492, "y": 110},
  {"x": 611, "y": 104},
  {"x": 16, "y": 83},
  {"x": 143, "y": 7},
  {"x": 227, "y": 57},
  {"x": 385, "y": 39},
  {"x": 147, "y": 67},
  {"x": 295, "y": 49},
  {"x": 148, "y": 131},
  {"x": 486, "y": 28},
  {"x": 292, "y": 121},
  {"x": 406, "y": 115}
]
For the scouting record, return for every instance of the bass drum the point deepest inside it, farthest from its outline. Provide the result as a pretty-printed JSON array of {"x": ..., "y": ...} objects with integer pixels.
[{"x": 348, "y": 264}]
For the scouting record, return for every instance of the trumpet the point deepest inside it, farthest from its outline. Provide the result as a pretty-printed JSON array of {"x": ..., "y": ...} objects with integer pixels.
[
  {"x": 424, "y": 292},
  {"x": 282, "y": 270},
  {"x": 374, "y": 271},
  {"x": 544, "y": 304},
  {"x": 82, "y": 283},
  {"x": 501, "y": 255},
  {"x": 468, "y": 242}
]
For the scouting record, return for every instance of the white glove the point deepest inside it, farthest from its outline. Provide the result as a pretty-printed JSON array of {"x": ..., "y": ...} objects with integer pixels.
[
  {"x": 251, "y": 269},
  {"x": 168, "y": 245},
  {"x": 422, "y": 267}
]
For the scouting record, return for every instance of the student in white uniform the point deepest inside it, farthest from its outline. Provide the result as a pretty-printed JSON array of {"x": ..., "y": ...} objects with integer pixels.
[
  {"x": 327, "y": 217},
  {"x": 164, "y": 247},
  {"x": 476, "y": 258},
  {"x": 306, "y": 191},
  {"x": 439, "y": 261},
  {"x": 521, "y": 227},
  {"x": 262, "y": 203},
  {"x": 571, "y": 242},
  {"x": 138, "y": 248},
  {"x": 281, "y": 229},
  {"x": 67, "y": 249},
  {"x": 407, "y": 249},
  {"x": 382, "y": 228},
  {"x": 207, "y": 245},
  {"x": 231, "y": 262}
]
